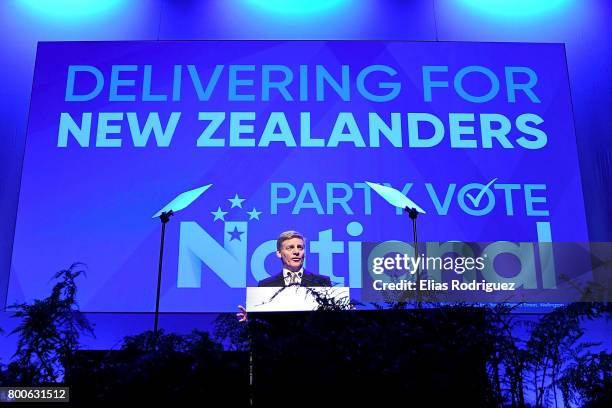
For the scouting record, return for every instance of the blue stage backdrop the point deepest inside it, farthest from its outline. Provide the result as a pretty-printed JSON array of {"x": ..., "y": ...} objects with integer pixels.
[{"x": 287, "y": 132}]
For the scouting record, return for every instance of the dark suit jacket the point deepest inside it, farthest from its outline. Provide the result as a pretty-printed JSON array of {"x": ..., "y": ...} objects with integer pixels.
[{"x": 308, "y": 280}]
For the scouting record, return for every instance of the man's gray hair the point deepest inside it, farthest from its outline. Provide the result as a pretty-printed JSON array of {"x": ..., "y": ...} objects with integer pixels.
[{"x": 288, "y": 235}]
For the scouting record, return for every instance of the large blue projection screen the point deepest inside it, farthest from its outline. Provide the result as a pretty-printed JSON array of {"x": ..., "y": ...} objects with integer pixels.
[{"x": 480, "y": 135}]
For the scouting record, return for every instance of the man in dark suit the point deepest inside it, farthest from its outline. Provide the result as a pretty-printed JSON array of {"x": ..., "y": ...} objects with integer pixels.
[{"x": 290, "y": 247}]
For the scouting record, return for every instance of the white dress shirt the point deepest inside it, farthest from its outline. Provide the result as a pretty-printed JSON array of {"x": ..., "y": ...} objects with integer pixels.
[{"x": 293, "y": 278}]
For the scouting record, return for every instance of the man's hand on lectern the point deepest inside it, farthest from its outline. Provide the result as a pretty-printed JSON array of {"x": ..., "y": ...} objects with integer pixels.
[{"x": 242, "y": 314}]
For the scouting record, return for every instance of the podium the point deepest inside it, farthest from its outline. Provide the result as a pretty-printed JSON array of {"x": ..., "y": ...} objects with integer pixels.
[
  {"x": 438, "y": 355},
  {"x": 294, "y": 298}
]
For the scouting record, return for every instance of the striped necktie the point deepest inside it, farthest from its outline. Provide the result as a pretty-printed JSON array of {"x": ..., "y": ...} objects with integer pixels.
[{"x": 293, "y": 278}]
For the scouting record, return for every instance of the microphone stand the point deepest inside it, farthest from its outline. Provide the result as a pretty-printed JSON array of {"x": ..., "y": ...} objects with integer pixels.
[
  {"x": 413, "y": 213},
  {"x": 179, "y": 202},
  {"x": 164, "y": 218}
]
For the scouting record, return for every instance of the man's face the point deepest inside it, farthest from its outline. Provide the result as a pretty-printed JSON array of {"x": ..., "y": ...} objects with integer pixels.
[{"x": 292, "y": 253}]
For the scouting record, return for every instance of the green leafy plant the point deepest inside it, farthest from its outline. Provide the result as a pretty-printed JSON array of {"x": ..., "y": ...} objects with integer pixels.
[{"x": 49, "y": 331}]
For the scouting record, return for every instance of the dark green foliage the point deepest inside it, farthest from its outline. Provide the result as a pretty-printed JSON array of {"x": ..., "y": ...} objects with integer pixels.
[
  {"x": 441, "y": 355},
  {"x": 49, "y": 332},
  {"x": 554, "y": 351}
]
